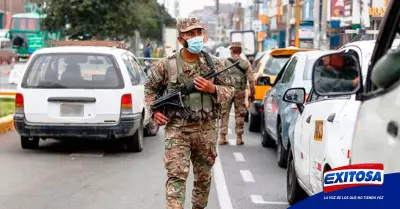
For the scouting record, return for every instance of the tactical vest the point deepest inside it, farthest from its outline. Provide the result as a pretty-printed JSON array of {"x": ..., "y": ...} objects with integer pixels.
[
  {"x": 239, "y": 76},
  {"x": 201, "y": 104}
]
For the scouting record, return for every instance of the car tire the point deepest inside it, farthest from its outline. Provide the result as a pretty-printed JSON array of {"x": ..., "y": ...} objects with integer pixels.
[
  {"x": 151, "y": 129},
  {"x": 294, "y": 192},
  {"x": 254, "y": 123},
  {"x": 266, "y": 140},
  {"x": 29, "y": 142},
  {"x": 135, "y": 142},
  {"x": 280, "y": 150},
  {"x": 246, "y": 118}
]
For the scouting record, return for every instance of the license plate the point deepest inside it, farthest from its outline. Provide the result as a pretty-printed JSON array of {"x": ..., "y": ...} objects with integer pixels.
[{"x": 71, "y": 110}]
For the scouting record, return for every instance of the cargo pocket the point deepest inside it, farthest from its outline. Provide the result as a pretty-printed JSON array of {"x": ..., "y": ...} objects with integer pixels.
[
  {"x": 207, "y": 103},
  {"x": 195, "y": 101}
]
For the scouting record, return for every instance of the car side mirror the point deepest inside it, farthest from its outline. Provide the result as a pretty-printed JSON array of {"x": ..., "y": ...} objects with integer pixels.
[
  {"x": 337, "y": 74},
  {"x": 263, "y": 81},
  {"x": 295, "y": 95}
]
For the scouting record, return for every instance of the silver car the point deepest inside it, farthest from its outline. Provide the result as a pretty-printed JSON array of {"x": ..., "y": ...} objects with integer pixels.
[{"x": 277, "y": 114}]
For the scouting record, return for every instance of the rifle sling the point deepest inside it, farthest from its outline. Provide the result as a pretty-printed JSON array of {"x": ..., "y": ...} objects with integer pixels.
[{"x": 238, "y": 66}]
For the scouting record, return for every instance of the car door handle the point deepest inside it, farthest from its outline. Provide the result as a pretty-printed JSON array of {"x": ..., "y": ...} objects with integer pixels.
[
  {"x": 331, "y": 117},
  {"x": 393, "y": 128},
  {"x": 308, "y": 119}
]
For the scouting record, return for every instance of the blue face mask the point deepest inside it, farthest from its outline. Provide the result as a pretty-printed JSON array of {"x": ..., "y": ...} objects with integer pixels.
[{"x": 195, "y": 45}]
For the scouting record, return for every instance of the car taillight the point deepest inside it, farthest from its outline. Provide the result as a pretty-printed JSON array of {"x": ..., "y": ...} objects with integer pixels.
[
  {"x": 19, "y": 103},
  {"x": 260, "y": 109},
  {"x": 126, "y": 101}
]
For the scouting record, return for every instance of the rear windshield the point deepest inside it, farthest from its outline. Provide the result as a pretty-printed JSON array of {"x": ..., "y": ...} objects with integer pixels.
[
  {"x": 73, "y": 70},
  {"x": 307, "y": 73},
  {"x": 275, "y": 64}
]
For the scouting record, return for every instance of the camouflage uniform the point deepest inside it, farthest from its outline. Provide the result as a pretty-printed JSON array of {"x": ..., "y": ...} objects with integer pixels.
[
  {"x": 194, "y": 139},
  {"x": 239, "y": 99}
]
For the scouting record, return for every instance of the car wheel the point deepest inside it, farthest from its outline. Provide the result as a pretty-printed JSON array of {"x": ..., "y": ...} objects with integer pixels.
[
  {"x": 29, "y": 142},
  {"x": 294, "y": 192},
  {"x": 266, "y": 139},
  {"x": 254, "y": 123},
  {"x": 135, "y": 142},
  {"x": 281, "y": 152},
  {"x": 151, "y": 129}
]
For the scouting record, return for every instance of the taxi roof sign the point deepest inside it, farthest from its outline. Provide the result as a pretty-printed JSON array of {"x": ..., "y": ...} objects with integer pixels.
[{"x": 116, "y": 44}]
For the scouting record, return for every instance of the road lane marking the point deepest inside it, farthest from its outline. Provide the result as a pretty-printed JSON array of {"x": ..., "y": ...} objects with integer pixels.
[
  {"x": 257, "y": 199},
  {"x": 232, "y": 142},
  {"x": 239, "y": 157},
  {"x": 220, "y": 183},
  {"x": 86, "y": 155},
  {"x": 247, "y": 176}
]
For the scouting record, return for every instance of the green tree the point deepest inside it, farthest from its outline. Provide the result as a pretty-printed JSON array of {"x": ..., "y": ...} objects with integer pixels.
[{"x": 116, "y": 19}]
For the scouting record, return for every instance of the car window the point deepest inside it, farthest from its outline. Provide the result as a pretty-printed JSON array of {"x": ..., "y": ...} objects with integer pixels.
[
  {"x": 308, "y": 69},
  {"x": 275, "y": 64},
  {"x": 289, "y": 70},
  {"x": 73, "y": 70},
  {"x": 386, "y": 77},
  {"x": 134, "y": 77},
  {"x": 137, "y": 69}
]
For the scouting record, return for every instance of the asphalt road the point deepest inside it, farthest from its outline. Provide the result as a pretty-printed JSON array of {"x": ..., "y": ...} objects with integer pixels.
[{"x": 97, "y": 175}]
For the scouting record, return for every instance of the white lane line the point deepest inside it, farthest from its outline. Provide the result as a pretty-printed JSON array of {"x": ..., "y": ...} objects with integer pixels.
[
  {"x": 247, "y": 176},
  {"x": 239, "y": 157},
  {"x": 220, "y": 183},
  {"x": 257, "y": 199},
  {"x": 232, "y": 142},
  {"x": 229, "y": 131},
  {"x": 86, "y": 155}
]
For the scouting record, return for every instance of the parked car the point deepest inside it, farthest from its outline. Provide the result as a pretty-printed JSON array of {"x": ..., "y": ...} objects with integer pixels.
[
  {"x": 82, "y": 92},
  {"x": 16, "y": 73},
  {"x": 7, "y": 53},
  {"x": 264, "y": 76},
  {"x": 323, "y": 133},
  {"x": 376, "y": 135},
  {"x": 276, "y": 114}
]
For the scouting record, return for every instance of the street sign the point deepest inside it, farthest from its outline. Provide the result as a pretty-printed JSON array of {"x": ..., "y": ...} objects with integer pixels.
[{"x": 257, "y": 25}]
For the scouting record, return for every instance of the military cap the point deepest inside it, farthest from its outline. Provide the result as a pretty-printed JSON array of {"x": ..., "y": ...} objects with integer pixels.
[
  {"x": 236, "y": 45},
  {"x": 188, "y": 23}
]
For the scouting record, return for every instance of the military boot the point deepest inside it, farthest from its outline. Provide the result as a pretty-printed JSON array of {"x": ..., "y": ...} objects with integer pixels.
[
  {"x": 239, "y": 140},
  {"x": 222, "y": 140}
]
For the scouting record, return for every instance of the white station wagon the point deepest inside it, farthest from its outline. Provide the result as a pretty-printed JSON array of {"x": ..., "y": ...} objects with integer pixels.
[{"x": 82, "y": 92}]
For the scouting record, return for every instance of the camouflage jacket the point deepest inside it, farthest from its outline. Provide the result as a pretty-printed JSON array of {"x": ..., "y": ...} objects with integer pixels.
[
  {"x": 158, "y": 79},
  {"x": 249, "y": 74}
]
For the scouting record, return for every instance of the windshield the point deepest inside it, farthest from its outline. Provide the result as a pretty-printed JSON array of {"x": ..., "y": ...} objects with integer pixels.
[
  {"x": 77, "y": 71},
  {"x": 25, "y": 24},
  {"x": 275, "y": 64}
]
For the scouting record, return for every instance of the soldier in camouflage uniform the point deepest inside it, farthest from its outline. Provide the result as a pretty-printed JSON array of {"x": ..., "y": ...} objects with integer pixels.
[
  {"x": 241, "y": 74},
  {"x": 194, "y": 139}
]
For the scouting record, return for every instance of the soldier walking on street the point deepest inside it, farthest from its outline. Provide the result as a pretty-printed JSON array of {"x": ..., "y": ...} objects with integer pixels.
[
  {"x": 241, "y": 74},
  {"x": 194, "y": 139}
]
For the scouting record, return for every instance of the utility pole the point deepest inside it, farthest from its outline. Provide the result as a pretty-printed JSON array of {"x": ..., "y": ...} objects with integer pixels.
[
  {"x": 288, "y": 25},
  {"x": 316, "y": 24},
  {"x": 298, "y": 19},
  {"x": 218, "y": 21},
  {"x": 325, "y": 42}
]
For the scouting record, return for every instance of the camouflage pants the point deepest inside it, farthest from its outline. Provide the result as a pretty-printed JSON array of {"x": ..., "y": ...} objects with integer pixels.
[
  {"x": 180, "y": 149},
  {"x": 239, "y": 101}
]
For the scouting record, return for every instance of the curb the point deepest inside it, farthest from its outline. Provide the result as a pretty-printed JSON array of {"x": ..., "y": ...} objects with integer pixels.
[
  {"x": 6, "y": 124},
  {"x": 7, "y": 93}
]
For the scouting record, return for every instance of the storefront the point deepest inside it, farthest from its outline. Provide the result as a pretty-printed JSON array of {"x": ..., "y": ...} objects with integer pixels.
[{"x": 377, "y": 11}]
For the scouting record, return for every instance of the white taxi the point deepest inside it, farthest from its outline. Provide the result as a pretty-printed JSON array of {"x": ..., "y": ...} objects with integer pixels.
[
  {"x": 82, "y": 92},
  {"x": 322, "y": 135}
]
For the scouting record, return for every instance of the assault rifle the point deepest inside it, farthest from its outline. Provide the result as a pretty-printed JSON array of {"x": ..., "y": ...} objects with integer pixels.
[{"x": 173, "y": 99}]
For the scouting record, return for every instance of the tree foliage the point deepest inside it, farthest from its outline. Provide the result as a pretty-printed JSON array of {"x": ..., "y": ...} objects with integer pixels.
[{"x": 116, "y": 19}]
